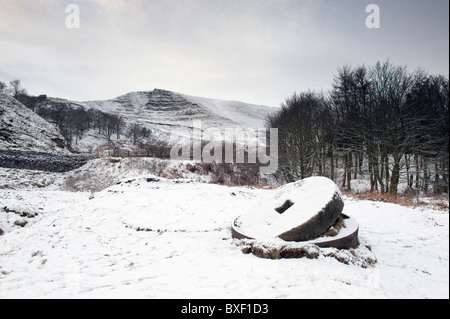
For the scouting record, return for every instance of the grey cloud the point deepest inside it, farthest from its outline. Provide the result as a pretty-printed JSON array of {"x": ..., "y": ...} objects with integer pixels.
[{"x": 258, "y": 51}]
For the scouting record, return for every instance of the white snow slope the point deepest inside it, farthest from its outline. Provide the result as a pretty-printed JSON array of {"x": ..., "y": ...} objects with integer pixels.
[
  {"x": 168, "y": 108},
  {"x": 171, "y": 115},
  {"x": 22, "y": 129},
  {"x": 149, "y": 237}
]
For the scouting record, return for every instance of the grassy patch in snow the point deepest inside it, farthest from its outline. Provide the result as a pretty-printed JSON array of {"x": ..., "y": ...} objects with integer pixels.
[{"x": 436, "y": 202}]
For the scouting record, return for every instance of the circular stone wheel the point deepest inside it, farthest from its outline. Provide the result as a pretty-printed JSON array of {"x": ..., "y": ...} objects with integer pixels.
[
  {"x": 300, "y": 211},
  {"x": 317, "y": 225}
]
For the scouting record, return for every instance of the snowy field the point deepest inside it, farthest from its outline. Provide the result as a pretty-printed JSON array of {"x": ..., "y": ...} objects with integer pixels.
[{"x": 148, "y": 237}]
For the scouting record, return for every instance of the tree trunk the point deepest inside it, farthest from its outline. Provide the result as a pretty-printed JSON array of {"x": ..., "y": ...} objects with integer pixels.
[
  {"x": 395, "y": 177},
  {"x": 332, "y": 164},
  {"x": 417, "y": 171},
  {"x": 348, "y": 170},
  {"x": 425, "y": 175}
]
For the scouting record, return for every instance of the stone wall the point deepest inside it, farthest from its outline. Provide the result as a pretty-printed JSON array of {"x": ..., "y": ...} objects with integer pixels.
[{"x": 40, "y": 161}]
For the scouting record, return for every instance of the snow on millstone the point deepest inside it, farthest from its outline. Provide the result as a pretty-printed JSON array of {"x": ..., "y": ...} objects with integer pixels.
[{"x": 307, "y": 211}]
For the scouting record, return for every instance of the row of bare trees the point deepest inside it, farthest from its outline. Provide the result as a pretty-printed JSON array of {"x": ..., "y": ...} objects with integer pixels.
[
  {"x": 72, "y": 121},
  {"x": 380, "y": 121}
]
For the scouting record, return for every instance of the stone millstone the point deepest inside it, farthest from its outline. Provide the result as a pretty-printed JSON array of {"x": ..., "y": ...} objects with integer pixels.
[
  {"x": 296, "y": 212},
  {"x": 318, "y": 224}
]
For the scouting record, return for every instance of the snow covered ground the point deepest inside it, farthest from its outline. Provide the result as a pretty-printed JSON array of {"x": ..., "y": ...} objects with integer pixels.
[{"x": 149, "y": 237}]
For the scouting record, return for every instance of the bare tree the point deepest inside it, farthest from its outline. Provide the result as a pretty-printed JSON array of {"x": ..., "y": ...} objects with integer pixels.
[
  {"x": 134, "y": 131},
  {"x": 381, "y": 120},
  {"x": 16, "y": 89},
  {"x": 301, "y": 126}
]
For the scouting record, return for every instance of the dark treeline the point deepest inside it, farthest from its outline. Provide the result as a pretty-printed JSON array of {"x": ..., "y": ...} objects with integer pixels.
[
  {"x": 380, "y": 121},
  {"x": 72, "y": 121}
]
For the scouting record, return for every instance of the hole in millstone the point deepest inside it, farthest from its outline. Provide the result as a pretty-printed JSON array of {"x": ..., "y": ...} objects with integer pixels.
[{"x": 287, "y": 204}]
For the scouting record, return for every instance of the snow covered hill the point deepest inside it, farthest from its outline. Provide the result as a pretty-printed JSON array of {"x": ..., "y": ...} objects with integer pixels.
[
  {"x": 22, "y": 129},
  {"x": 169, "y": 115},
  {"x": 167, "y": 109}
]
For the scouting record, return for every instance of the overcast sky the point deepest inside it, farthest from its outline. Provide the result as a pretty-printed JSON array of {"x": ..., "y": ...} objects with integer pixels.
[{"x": 256, "y": 51}]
